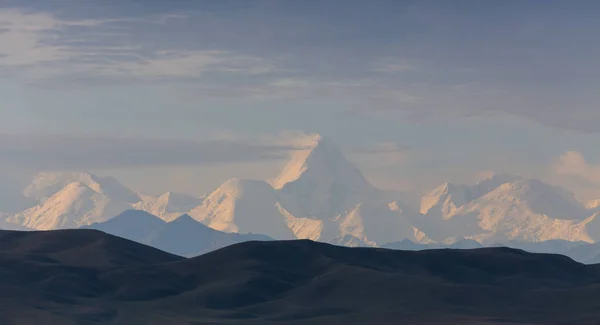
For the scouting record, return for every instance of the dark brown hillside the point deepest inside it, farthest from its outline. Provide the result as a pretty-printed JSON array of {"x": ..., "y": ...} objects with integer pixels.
[{"x": 50, "y": 278}]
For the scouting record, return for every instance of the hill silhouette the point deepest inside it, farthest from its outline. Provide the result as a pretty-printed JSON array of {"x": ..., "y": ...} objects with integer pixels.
[{"x": 88, "y": 277}]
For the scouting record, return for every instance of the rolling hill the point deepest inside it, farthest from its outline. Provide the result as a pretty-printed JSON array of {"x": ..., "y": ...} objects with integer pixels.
[{"x": 87, "y": 277}]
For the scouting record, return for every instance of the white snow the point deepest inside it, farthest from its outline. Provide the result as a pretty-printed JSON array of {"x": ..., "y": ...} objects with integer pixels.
[
  {"x": 46, "y": 184},
  {"x": 525, "y": 210},
  {"x": 245, "y": 206},
  {"x": 74, "y": 206},
  {"x": 320, "y": 195}
]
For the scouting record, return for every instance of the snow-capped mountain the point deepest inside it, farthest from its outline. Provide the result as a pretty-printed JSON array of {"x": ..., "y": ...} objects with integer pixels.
[
  {"x": 447, "y": 198},
  {"x": 320, "y": 183},
  {"x": 73, "y": 206},
  {"x": 245, "y": 206},
  {"x": 70, "y": 200},
  {"x": 182, "y": 236},
  {"x": 168, "y": 206},
  {"x": 46, "y": 184},
  {"x": 523, "y": 209},
  {"x": 378, "y": 222},
  {"x": 319, "y": 195}
]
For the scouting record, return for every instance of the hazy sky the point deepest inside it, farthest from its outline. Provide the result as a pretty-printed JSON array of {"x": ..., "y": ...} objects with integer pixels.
[{"x": 181, "y": 95}]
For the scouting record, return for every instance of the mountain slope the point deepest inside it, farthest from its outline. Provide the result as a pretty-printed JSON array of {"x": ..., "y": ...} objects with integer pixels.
[
  {"x": 183, "y": 236},
  {"x": 526, "y": 210},
  {"x": 319, "y": 195},
  {"x": 319, "y": 182},
  {"x": 74, "y": 206},
  {"x": 45, "y": 185},
  {"x": 244, "y": 206},
  {"x": 377, "y": 222},
  {"x": 293, "y": 282},
  {"x": 447, "y": 198},
  {"x": 501, "y": 209}
]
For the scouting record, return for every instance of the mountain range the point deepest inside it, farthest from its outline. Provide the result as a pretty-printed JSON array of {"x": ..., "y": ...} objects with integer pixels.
[
  {"x": 88, "y": 277},
  {"x": 322, "y": 196}
]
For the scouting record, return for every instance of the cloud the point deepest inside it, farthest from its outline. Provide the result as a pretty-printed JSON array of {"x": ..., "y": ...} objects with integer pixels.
[
  {"x": 574, "y": 164},
  {"x": 24, "y": 37},
  {"x": 250, "y": 56},
  {"x": 393, "y": 66},
  {"x": 39, "y": 46},
  {"x": 190, "y": 64},
  {"x": 383, "y": 154},
  {"x": 70, "y": 152}
]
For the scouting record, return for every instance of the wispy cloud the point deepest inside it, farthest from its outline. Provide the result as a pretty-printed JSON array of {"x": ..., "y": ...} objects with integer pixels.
[
  {"x": 383, "y": 154},
  {"x": 260, "y": 54},
  {"x": 393, "y": 65},
  {"x": 27, "y": 38},
  {"x": 43, "y": 46},
  {"x": 76, "y": 152},
  {"x": 182, "y": 64},
  {"x": 574, "y": 164}
]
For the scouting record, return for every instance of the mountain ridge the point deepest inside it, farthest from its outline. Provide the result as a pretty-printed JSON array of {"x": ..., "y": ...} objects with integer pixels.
[{"x": 320, "y": 195}]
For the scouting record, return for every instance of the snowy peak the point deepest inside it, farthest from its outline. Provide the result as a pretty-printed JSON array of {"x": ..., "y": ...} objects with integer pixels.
[
  {"x": 320, "y": 183},
  {"x": 447, "y": 198},
  {"x": 75, "y": 205},
  {"x": 540, "y": 198},
  {"x": 237, "y": 187},
  {"x": 244, "y": 206},
  {"x": 320, "y": 157},
  {"x": 485, "y": 186},
  {"x": 46, "y": 184},
  {"x": 297, "y": 164}
]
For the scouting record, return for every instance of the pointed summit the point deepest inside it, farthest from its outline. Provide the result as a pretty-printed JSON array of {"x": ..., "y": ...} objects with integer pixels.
[
  {"x": 321, "y": 180},
  {"x": 296, "y": 166},
  {"x": 318, "y": 156}
]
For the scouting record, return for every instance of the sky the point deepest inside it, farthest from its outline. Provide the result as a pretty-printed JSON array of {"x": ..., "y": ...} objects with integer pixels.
[{"x": 182, "y": 95}]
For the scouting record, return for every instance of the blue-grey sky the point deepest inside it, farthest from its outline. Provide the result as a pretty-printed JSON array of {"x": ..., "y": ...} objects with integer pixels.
[{"x": 458, "y": 89}]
